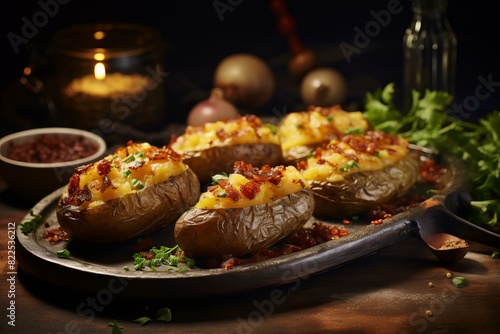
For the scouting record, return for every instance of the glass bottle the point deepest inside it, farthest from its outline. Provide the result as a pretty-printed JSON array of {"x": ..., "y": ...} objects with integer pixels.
[{"x": 430, "y": 50}]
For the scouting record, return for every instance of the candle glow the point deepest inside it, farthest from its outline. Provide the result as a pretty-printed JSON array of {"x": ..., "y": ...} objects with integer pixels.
[{"x": 99, "y": 71}]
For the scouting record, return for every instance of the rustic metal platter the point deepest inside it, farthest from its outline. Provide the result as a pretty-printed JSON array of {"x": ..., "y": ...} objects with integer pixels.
[{"x": 97, "y": 268}]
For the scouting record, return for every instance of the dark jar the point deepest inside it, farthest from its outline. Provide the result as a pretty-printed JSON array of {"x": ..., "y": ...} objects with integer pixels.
[{"x": 108, "y": 73}]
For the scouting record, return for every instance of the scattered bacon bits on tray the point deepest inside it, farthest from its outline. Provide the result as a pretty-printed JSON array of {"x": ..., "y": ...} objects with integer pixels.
[
  {"x": 431, "y": 172},
  {"x": 296, "y": 241},
  {"x": 56, "y": 234}
]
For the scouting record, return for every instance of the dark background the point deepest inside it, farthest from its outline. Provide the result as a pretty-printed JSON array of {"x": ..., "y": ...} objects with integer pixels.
[{"x": 198, "y": 39}]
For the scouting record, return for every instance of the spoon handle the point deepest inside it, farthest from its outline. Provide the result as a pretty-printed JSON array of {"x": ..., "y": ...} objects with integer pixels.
[{"x": 439, "y": 218}]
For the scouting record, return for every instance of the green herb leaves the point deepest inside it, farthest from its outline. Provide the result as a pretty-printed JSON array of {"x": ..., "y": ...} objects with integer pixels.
[
  {"x": 32, "y": 224},
  {"x": 428, "y": 124},
  {"x": 168, "y": 256}
]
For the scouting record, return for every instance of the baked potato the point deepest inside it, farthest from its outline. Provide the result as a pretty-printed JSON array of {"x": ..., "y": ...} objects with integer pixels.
[
  {"x": 214, "y": 147},
  {"x": 244, "y": 211},
  {"x": 134, "y": 191},
  {"x": 351, "y": 174},
  {"x": 302, "y": 132}
]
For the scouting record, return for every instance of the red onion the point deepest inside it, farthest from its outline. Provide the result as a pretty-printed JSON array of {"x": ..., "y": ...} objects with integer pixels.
[{"x": 213, "y": 109}]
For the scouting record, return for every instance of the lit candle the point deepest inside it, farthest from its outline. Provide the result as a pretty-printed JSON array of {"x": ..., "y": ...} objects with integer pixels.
[{"x": 101, "y": 84}]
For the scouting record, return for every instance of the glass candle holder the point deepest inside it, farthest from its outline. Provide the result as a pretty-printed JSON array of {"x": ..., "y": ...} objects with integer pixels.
[{"x": 108, "y": 73}]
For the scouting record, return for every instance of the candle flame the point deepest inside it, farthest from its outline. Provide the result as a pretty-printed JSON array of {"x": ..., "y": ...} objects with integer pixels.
[{"x": 99, "y": 71}]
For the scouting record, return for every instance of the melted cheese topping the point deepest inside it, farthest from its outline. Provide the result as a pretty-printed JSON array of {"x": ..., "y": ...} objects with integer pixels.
[
  {"x": 246, "y": 129},
  {"x": 128, "y": 170},
  {"x": 318, "y": 125},
  {"x": 217, "y": 197},
  {"x": 372, "y": 151}
]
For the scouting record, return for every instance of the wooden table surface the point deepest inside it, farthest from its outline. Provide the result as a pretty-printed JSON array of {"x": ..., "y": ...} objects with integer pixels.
[{"x": 387, "y": 292}]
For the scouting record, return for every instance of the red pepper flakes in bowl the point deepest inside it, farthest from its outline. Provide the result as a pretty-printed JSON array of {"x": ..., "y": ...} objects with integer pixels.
[
  {"x": 52, "y": 148},
  {"x": 35, "y": 162}
]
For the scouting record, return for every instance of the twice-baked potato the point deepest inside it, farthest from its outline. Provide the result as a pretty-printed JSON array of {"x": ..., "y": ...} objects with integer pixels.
[
  {"x": 351, "y": 174},
  {"x": 214, "y": 147},
  {"x": 136, "y": 190},
  {"x": 244, "y": 211},
  {"x": 303, "y": 131}
]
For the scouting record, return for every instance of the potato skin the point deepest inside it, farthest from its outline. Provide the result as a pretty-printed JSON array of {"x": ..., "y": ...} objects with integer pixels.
[
  {"x": 134, "y": 214},
  {"x": 361, "y": 191},
  {"x": 214, "y": 233},
  {"x": 218, "y": 159}
]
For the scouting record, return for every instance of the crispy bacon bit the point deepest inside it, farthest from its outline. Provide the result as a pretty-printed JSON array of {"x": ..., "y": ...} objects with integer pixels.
[
  {"x": 103, "y": 167},
  {"x": 147, "y": 255},
  {"x": 165, "y": 152},
  {"x": 370, "y": 142},
  {"x": 264, "y": 174},
  {"x": 232, "y": 193},
  {"x": 56, "y": 234},
  {"x": 378, "y": 213},
  {"x": 82, "y": 169},
  {"x": 106, "y": 183},
  {"x": 255, "y": 175},
  {"x": 250, "y": 189},
  {"x": 83, "y": 195},
  {"x": 431, "y": 172}
]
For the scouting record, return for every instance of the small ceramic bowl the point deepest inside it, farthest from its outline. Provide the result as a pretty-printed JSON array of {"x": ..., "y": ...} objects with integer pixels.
[{"x": 34, "y": 180}]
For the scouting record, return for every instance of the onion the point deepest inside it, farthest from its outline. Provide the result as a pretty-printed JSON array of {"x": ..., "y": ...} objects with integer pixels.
[
  {"x": 213, "y": 109},
  {"x": 323, "y": 87},
  {"x": 301, "y": 63},
  {"x": 246, "y": 80}
]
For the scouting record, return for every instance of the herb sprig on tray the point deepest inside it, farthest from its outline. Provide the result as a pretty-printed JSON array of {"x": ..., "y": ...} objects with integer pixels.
[
  {"x": 428, "y": 123},
  {"x": 172, "y": 257}
]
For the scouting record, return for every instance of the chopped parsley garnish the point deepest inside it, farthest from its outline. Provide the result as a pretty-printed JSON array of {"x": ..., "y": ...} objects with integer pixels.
[
  {"x": 354, "y": 131},
  {"x": 168, "y": 256},
  {"x": 218, "y": 177},
  {"x": 272, "y": 127},
  {"x": 329, "y": 118},
  {"x": 460, "y": 282},
  {"x": 138, "y": 184},
  {"x": 163, "y": 314},
  {"x": 115, "y": 327},
  {"x": 32, "y": 224},
  {"x": 130, "y": 158},
  {"x": 350, "y": 165},
  {"x": 63, "y": 254}
]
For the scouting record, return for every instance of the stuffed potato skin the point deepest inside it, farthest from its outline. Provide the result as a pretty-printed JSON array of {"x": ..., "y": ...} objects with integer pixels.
[
  {"x": 355, "y": 172},
  {"x": 218, "y": 159},
  {"x": 215, "y": 146},
  {"x": 216, "y": 232},
  {"x": 245, "y": 210},
  {"x": 132, "y": 215},
  {"x": 136, "y": 190},
  {"x": 361, "y": 191},
  {"x": 302, "y": 132}
]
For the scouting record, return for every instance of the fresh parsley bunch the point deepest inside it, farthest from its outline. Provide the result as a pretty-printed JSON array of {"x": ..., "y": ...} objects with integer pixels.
[{"x": 429, "y": 124}]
